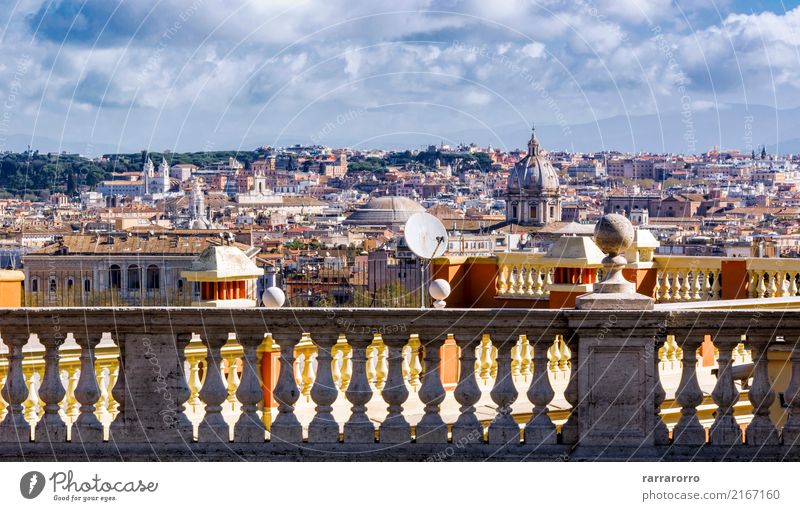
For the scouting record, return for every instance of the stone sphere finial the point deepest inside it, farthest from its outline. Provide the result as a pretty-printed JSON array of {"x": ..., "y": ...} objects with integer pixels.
[{"x": 613, "y": 234}]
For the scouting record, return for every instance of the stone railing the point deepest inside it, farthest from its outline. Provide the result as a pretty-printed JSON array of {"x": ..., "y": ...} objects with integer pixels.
[
  {"x": 687, "y": 279},
  {"x": 523, "y": 275},
  {"x": 773, "y": 278},
  {"x": 612, "y": 394},
  {"x": 677, "y": 278}
]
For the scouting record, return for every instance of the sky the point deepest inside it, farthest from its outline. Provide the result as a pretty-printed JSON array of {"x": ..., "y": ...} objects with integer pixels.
[{"x": 96, "y": 76}]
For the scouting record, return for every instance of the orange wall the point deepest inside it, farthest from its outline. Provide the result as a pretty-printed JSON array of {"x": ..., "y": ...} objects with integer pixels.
[
  {"x": 735, "y": 281},
  {"x": 11, "y": 288}
]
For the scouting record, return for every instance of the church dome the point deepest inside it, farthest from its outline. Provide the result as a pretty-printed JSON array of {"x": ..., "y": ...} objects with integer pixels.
[
  {"x": 534, "y": 172},
  {"x": 385, "y": 211}
]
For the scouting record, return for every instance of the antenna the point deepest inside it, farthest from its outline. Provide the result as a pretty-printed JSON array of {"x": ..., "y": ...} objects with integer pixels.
[{"x": 426, "y": 237}]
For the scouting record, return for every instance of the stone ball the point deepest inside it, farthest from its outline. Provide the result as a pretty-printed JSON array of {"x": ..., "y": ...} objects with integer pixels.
[
  {"x": 273, "y": 297},
  {"x": 439, "y": 289},
  {"x": 613, "y": 233}
]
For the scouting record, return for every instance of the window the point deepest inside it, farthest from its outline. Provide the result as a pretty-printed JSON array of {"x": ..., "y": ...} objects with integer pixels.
[
  {"x": 114, "y": 277},
  {"x": 53, "y": 285},
  {"x": 534, "y": 214},
  {"x": 70, "y": 283},
  {"x": 153, "y": 277},
  {"x": 134, "y": 277},
  {"x": 513, "y": 212},
  {"x": 35, "y": 286},
  {"x": 87, "y": 285}
]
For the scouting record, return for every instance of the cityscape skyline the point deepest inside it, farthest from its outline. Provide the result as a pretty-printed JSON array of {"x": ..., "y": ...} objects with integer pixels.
[{"x": 594, "y": 75}]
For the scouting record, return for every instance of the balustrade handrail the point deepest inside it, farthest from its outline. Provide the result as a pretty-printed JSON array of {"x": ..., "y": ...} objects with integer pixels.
[{"x": 154, "y": 345}]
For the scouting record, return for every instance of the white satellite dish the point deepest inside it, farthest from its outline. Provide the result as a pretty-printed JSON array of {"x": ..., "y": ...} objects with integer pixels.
[{"x": 425, "y": 235}]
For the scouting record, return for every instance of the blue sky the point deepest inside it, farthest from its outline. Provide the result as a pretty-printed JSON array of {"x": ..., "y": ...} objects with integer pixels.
[{"x": 199, "y": 75}]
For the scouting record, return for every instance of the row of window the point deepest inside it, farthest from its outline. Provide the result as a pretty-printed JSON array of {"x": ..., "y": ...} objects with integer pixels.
[{"x": 152, "y": 279}]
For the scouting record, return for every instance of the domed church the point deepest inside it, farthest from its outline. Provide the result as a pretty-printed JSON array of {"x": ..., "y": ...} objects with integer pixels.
[{"x": 532, "y": 196}]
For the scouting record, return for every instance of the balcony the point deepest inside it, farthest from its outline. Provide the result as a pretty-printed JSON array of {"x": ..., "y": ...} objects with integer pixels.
[{"x": 405, "y": 384}]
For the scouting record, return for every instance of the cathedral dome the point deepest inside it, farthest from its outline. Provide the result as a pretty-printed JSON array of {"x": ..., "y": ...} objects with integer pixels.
[
  {"x": 389, "y": 211},
  {"x": 534, "y": 172}
]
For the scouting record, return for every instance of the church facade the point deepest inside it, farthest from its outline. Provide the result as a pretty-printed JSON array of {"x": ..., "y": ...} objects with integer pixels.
[{"x": 532, "y": 195}]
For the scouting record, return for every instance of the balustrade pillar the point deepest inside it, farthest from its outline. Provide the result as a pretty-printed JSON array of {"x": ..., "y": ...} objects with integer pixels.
[
  {"x": 14, "y": 427},
  {"x": 761, "y": 430},
  {"x": 213, "y": 427},
  {"x": 395, "y": 429},
  {"x": 180, "y": 422},
  {"x": 249, "y": 427},
  {"x": 725, "y": 430},
  {"x": 286, "y": 428},
  {"x": 540, "y": 429},
  {"x": 359, "y": 428},
  {"x": 323, "y": 427},
  {"x": 431, "y": 429},
  {"x": 688, "y": 430},
  {"x": 51, "y": 427},
  {"x": 504, "y": 429},
  {"x": 87, "y": 428},
  {"x": 467, "y": 429}
]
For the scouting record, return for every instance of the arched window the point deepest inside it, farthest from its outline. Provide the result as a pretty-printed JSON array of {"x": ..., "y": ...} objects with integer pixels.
[
  {"x": 34, "y": 285},
  {"x": 153, "y": 277},
  {"x": 134, "y": 277},
  {"x": 53, "y": 285},
  {"x": 70, "y": 283},
  {"x": 87, "y": 286},
  {"x": 114, "y": 277}
]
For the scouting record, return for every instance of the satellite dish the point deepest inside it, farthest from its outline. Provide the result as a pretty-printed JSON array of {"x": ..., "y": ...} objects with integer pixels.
[{"x": 425, "y": 236}]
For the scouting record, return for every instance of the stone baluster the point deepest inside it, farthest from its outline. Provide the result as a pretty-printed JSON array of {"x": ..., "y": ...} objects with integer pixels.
[
  {"x": 372, "y": 358},
  {"x": 525, "y": 354},
  {"x": 698, "y": 289},
  {"x": 485, "y": 358},
  {"x": 689, "y": 395},
  {"x": 504, "y": 429},
  {"x": 51, "y": 427},
  {"x": 716, "y": 288},
  {"x": 337, "y": 357},
  {"x": 286, "y": 428},
  {"x": 323, "y": 427},
  {"x": 395, "y": 428},
  {"x": 406, "y": 366},
  {"x": 530, "y": 282},
  {"x": 113, "y": 375},
  {"x": 790, "y": 433},
  {"x": 540, "y": 429},
  {"x": 213, "y": 427},
  {"x": 103, "y": 376},
  {"x": 249, "y": 427},
  {"x": 793, "y": 284},
  {"x": 87, "y": 428},
  {"x": 666, "y": 295},
  {"x": 772, "y": 288},
  {"x": 232, "y": 379},
  {"x": 761, "y": 288},
  {"x": 761, "y": 430},
  {"x": 539, "y": 290},
  {"x": 467, "y": 429},
  {"x": 14, "y": 427},
  {"x": 347, "y": 366},
  {"x": 31, "y": 405},
  {"x": 658, "y": 288},
  {"x": 516, "y": 361},
  {"x": 502, "y": 280},
  {"x": 194, "y": 383},
  {"x": 725, "y": 430},
  {"x": 569, "y": 430},
  {"x": 381, "y": 365},
  {"x": 431, "y": 429},
  {"x": 359, "y": 428},
  {"x": 309, "y": 370},
  {"x": 415, "y": 364}
]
